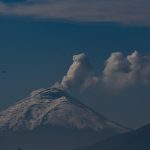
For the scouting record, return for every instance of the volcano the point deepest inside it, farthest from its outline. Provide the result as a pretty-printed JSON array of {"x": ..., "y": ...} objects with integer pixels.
[{"x": 52, "y": 119}]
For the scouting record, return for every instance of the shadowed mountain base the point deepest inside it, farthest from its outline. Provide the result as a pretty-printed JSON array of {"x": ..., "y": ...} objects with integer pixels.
[
  {"x": 134, "y": 140},
  {"x": 55, "y": 138}
]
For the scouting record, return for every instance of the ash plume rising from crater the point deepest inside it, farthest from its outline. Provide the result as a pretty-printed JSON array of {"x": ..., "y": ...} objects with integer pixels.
[
  {"x": 80, "y": 74},
  {"x": 119, "y": 72}
]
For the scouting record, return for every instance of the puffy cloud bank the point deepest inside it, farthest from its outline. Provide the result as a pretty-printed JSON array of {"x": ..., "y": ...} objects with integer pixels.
[
  {"x": 120, "y": 72},
  {"x": 122, "y": 11}
]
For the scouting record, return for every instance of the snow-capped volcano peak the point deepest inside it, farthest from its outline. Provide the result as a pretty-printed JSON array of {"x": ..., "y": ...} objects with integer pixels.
[{"x": 53, "y": 107}]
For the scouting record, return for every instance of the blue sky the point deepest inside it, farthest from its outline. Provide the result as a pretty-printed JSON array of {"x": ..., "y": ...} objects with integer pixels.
[{"x": 37, "y": 52}]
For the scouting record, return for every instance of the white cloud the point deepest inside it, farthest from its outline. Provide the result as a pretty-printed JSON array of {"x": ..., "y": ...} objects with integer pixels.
[{"x": 129, "y": 11}]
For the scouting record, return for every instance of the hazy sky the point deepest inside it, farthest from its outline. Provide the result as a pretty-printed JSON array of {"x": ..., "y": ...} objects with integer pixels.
[{"x": 37, "y": 52}]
